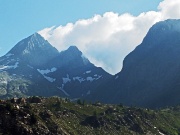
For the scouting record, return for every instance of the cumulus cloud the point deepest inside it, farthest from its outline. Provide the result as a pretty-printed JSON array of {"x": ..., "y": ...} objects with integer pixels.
[
  {"x": 106, "y": 39},
  {"x": 170, "y": 9}
]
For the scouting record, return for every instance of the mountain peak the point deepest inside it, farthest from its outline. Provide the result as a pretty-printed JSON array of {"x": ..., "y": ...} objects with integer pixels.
[
  {"x": 162, "y": 32},
  {"x": 34, "y": 49},
  {"x": 72, "y": 56},
  {"x": 74, "y": 50},
  {"x": 28, "y": 44},
  {"x": 36, "y": 36},
  {"x": 73, "y": 47},
  {"x": 36, "y": 40}
]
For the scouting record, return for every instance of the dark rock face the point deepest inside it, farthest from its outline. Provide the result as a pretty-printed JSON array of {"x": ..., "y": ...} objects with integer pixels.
[
  {"x": 70, "y": 58},
  {"x": 151, "y": 73},
  {"x": 75, "y": 75}
]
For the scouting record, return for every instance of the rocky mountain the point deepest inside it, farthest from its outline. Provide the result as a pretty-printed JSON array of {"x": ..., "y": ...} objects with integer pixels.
[
  {"x": 151, "y": 73},
  {"x": 18, "y": 68},
  {"x": 56, "y": 116},
  {"x": 33, "y": 50},
  {"x": 73, "y": 74},
  {"x": 34, "y": 67}
]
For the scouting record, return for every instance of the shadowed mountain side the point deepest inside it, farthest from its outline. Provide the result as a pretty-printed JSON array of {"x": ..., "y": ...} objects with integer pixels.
[{"x": 151, "y": 73}]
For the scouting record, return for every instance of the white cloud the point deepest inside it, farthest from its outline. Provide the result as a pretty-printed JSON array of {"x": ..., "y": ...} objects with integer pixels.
[
  {"x": 107, "y": 39},
  {"x": 170, "y": 9}
]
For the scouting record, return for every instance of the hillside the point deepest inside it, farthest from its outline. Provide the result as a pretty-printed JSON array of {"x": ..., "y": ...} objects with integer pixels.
[
  {"x": 151, "y": 73},
  {"x": 35, "y": 115}
]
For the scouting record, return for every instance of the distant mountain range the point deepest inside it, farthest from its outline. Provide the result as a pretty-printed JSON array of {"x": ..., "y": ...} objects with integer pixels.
[
  {"x": 34, "y": 67},
  {"x": 150, "y": 76},
  {"x": 151, "y": 73}
]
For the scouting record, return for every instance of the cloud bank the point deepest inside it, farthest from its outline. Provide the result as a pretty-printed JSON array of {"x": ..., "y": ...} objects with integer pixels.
[{"x": 106, "y": 39}]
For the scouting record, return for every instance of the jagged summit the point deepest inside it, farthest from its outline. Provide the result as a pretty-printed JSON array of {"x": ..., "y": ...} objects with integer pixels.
[
  {"x": 34, "y": 49},
  {"x": 31, "y": 43},
  {"x": 72, "y": 56},
  {"x": 36, "y": 40},
  {"x": 72, "y": 51},
  {"x": 73, "y": 48}
]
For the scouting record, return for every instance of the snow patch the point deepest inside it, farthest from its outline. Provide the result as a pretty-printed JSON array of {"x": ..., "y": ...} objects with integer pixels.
[
  {"x": 46, "y": 71},
  {"x": 3, "y": 67},
  {"x": 9, "y": 67},
  {"x": 87, "y": 72},
  {"x": 80, "y": 79},
  {"x": 49, "y": 79},
  {"x": 89, "y": 79},
  {"x": 66, "y": 80},
  {"x": 53, "y": 69},
  {"x": 15, "y": 66},
  {"x": 99, "y": 76},
  {"x": 63, "y": 91},
  {"x": 116, "y": 77},
  {"x": 9, "y": 54},
  {"x": 30, "y": 66},
  {"x": 92, "y": 79}
]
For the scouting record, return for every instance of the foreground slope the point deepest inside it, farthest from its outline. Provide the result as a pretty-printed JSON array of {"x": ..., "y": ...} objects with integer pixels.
[
  {"x": 151, "y": 73},
  {"x": 57, "y": 116}
]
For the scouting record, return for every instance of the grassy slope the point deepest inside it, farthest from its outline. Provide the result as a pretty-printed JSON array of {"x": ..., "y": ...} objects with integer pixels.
[{"x": 59, "y": 116}]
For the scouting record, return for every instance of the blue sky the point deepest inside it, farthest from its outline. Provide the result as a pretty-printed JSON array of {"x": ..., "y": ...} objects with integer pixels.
[
  {"x": 105, "y": 31},
  {"x": 21, "y": 18}
]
